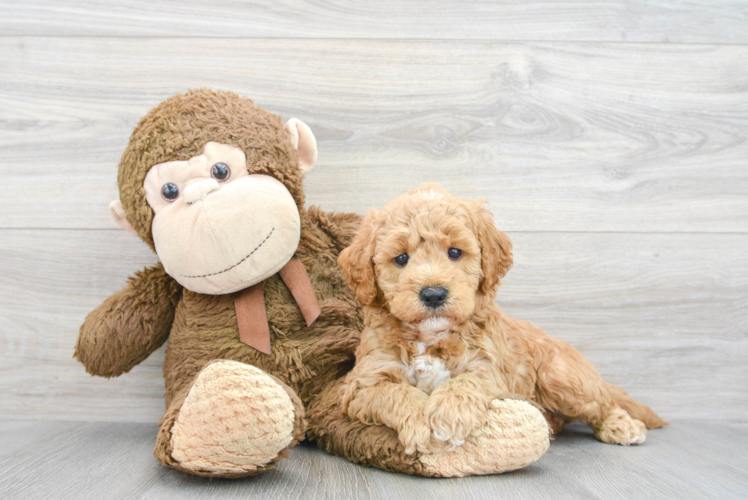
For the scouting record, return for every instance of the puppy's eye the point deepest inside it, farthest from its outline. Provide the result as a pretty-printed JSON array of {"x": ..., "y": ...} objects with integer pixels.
[
  {"x": 170, "y": 191},
  {"x": 401, "y": 259},
  {"x": 454, "y": 253},
  {"x": 220, "y": 172}
]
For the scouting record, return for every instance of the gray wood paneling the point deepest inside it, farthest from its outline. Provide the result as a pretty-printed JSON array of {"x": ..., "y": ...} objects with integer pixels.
[
  {"x": 66, "y": 460},
  {"x": 694, "y": 21},
  {"x": 557, "y": 136},
  {"x": 610, "y": 138},
  {"x": 663, "y": 315}
]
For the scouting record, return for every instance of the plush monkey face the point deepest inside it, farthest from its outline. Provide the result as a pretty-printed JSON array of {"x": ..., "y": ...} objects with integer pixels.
[
  {"x": 226, "y": 216},
  {"x": 216, "y": 227}
]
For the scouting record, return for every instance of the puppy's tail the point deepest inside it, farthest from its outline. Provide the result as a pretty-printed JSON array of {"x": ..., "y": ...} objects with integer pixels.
[{"x": 635, "y": 408}]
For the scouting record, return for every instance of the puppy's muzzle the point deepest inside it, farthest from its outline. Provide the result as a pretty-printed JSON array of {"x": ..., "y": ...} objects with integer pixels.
[{"x": 433, "y": 297}]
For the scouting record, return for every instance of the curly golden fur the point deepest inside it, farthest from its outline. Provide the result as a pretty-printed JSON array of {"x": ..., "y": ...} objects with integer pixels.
[{"x": 430, "y": 371}]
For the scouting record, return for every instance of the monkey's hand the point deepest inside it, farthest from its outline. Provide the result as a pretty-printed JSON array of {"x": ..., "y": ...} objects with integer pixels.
[{"x": 129, "y": 325}]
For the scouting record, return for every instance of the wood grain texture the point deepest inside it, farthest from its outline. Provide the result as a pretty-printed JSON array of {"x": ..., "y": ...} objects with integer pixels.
[
  {"x": 610, "y": 138},
  {"x": 65, "y": 460},
  {"x": 558, "y": 137},
  {"x": 664, "y": 316},
  {"x": 693, "y": 21}
]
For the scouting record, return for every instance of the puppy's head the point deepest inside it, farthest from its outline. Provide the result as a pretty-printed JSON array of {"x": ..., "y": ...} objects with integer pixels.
[{"x": 427, "y": 257}]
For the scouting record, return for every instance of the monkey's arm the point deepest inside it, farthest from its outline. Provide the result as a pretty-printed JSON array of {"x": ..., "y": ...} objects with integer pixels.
[{"x": 129, "y": 325}]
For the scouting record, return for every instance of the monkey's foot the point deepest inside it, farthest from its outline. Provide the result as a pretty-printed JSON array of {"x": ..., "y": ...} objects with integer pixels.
[
  {"x": 619, "y": 428},
  {"x": 515, "y": 435},
  {"x": 235, "y": 421}
]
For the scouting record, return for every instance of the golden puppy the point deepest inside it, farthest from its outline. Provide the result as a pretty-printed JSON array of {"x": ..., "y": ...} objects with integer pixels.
[{"x": 437, "y": 350}]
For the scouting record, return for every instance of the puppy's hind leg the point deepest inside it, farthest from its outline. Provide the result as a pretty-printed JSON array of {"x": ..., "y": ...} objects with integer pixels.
[
  {"x": 635, "y": 408},
  {"x": 571, "y": 385}
]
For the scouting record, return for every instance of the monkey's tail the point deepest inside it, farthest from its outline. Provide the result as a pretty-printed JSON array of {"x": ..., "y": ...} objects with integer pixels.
[{"x": 635, "y": 408}]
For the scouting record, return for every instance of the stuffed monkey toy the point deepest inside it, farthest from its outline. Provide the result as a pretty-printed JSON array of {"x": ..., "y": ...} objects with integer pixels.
[{"x": 261, "y": 325}]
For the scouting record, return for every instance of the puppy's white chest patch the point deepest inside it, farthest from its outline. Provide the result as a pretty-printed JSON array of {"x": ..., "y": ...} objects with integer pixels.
[{"x": 427, "y": 372}]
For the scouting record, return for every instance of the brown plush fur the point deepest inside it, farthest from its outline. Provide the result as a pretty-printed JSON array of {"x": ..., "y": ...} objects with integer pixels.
[
  {"x": 305, "y": 361},
  {"x": 178, "y": 129},
  {"x": 479, "y": 351},
  {"x": 130, "y": 324}
]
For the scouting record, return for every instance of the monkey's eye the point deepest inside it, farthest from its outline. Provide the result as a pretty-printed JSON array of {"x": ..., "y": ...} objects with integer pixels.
[
  {"x": 220, "y": 172},
  {"x": 401, "y": 259},
  {"x": 454, "y": 253},
  {"x": 170, "y": 191}
]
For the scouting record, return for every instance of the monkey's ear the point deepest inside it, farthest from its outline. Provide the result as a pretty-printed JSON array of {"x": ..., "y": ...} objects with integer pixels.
[
  {"x": 304, "y": 142},
  {"x": 117, "y": 212}
]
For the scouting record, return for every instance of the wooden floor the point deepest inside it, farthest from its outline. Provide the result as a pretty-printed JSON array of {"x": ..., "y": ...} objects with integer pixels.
[
  {"x": 64, "y": 460},
  {"x": 609, "y": 137}
]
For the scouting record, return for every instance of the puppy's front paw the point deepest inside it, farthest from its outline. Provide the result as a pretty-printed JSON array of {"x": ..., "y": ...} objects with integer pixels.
[
  {"x": 415, "y": 435},
  {"x": 452, "y": 419},
  {"x": 619, "y": 428}
]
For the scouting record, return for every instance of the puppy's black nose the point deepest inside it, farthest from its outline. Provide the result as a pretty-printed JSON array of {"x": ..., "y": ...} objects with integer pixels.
[{"x": 433, "y": 297}]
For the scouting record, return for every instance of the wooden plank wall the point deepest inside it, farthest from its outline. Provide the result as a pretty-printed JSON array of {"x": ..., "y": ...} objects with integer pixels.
[{"x": 610, "y": 139}]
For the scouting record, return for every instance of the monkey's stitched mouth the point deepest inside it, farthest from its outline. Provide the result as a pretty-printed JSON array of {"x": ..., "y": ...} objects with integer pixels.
[{"x": 232, "y": 267}]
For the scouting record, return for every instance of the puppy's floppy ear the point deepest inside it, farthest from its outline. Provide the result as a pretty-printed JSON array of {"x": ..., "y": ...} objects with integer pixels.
[
  {"x": 496, "y": 251},
  {"x": 357, "y": 262}
]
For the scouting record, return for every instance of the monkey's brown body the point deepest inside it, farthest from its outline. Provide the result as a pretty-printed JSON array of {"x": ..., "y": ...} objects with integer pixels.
[
  {"x": 231, "y": 410},
  {"x": 304, "y": 359}
]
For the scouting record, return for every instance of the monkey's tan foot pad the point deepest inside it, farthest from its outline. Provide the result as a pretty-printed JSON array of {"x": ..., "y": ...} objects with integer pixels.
[
  {"x": 235, "y": 420},
  {"x": 515, "y": 435}
]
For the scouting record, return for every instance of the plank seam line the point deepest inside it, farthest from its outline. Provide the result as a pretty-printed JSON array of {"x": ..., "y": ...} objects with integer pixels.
[{"x": 344, "y": 39}]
